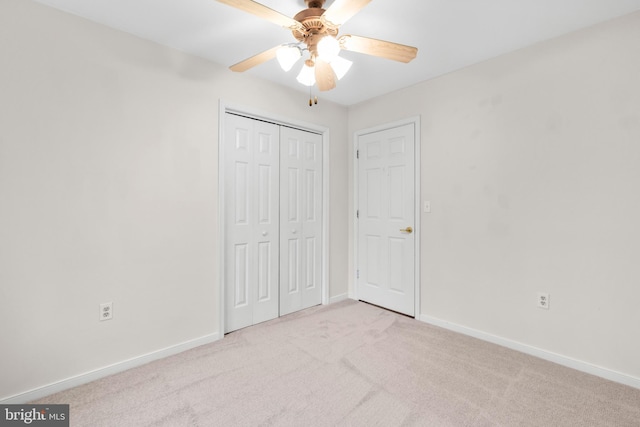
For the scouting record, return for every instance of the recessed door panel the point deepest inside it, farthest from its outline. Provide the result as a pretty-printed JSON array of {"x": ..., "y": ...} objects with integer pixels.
[
  {"x": 396, "y": 192},
  {"x": 372, "y": 250},
  {"x": 310, "y": 263},
  {"x": 293, "y": 195},
  {"x": 294, "y": 148},
  {"x": 310, "y": 196},
  {"x": 294, "y": 265},
  {"x": 373, "y": 149},
  {"x": 265, "y": 194},
  {"x": 264, "y": 271},
  {"x": 241, "y": 282},
  {"x": 372, "y": 196},
  {"x": 265, "y": 141},
  {"x": 311, "y": 150},
  {"x": 396, "y": 264},
  {"x": 397, "y": 146},
  {"x": 242, "y": 193},
  {"x": 242, "y": 138}
]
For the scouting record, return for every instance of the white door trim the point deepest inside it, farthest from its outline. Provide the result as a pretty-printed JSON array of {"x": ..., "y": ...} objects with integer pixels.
[
  {"x": 415, "y": 120},
  {"x": 249, "y": 112}
]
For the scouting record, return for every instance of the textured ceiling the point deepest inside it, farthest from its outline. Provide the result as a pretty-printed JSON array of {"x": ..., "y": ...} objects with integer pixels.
[{"x": 449, "y": 34}]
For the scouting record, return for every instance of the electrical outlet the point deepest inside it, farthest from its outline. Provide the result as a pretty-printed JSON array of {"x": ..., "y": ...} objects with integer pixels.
[
  {"x": 106, "y": 311},
  {"x": 543, "y": 300}
]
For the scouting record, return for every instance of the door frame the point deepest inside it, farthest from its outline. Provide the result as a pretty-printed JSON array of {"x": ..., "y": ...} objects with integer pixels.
[
  {"x": 415, "y": 121},
  {"x": 252, "y": 113}
]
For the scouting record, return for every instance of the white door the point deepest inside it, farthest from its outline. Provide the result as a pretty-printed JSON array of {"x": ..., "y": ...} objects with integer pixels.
[
  {"x": 251, "y": 221},
  {"x": 386, "y": 213},
  {"x": 300, "y": 220}
]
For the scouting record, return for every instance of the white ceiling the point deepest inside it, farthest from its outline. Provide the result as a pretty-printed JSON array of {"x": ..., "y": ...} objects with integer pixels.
[{"x": 449, "y": 34}]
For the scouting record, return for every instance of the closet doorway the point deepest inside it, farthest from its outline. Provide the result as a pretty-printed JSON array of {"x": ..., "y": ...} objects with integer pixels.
[{"x": 273, "y": 216}]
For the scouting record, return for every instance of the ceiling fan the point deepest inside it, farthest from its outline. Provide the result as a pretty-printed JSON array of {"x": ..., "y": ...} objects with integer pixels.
[{"x": 317, "y": 30}]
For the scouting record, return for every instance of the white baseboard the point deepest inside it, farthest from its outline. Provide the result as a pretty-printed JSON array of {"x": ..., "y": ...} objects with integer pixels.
[
  {"x": 338, "y": 298},
  {"x": 537, "y": 352},
  {"x": 77, "y": 380}
]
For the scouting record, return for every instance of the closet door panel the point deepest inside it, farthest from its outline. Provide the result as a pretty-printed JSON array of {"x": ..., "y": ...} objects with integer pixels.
[
  {"x": 301, "y": 227},
  {"x": 251, "y": 208}
]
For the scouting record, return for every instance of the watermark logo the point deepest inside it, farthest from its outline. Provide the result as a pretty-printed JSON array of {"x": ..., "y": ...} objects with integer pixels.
[{"x": 34, "y": 415}]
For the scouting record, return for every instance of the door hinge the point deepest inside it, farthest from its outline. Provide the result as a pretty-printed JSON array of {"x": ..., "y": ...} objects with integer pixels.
[
  {"x": 357, "y": 154},
  {"x": 358, "y": 214},
  {"x": 357, "y": 274}
]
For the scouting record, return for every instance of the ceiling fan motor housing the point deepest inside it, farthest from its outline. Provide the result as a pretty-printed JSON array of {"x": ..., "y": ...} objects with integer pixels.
[{"x": 315, "y": 28}]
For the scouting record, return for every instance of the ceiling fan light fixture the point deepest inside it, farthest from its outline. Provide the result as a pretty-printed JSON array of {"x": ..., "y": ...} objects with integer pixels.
[
  {"x": 307, "y": 75},
  {"x": 287, "y": 56},
  {"x": 316, "y": 31},
  {"x": 328, "y": 48},
  {"x": 340, "y": 66}
]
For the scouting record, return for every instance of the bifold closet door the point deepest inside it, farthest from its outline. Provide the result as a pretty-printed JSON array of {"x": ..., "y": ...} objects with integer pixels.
[
  {"x": 251, "y": 207},
  {"x": 300, "y": 220}
]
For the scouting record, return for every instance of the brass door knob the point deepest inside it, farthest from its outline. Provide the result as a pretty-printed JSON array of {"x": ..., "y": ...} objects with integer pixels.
[{"x": 407, "y": 230}]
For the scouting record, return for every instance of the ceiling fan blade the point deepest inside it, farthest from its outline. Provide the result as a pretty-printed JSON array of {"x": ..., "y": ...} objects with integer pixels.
[
  {"x": 381, "y": 48},
  {"x": 325, "y": 76},
  {"x": 255, "y": 60},
  {"x": 264, "y": 12},
  {"x": 342, "y": 10}
]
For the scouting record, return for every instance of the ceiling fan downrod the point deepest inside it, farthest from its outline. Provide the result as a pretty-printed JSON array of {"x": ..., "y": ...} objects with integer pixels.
[{"x": 315, "y": 3}]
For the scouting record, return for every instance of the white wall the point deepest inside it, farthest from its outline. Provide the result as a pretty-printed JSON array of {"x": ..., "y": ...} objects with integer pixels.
[
  {"x": 531, "y": 162},
  {"x": 108, "y": 192}
]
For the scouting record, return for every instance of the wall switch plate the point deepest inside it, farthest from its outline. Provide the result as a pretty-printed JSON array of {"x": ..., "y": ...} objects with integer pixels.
[
  {"x": 106, "y": 311},
  {"x": 427, "y": 206},
  {"x": 543, "y": 300}
]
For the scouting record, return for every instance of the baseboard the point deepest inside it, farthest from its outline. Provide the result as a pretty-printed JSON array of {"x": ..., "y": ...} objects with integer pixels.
[
  {"x": 338, "y": 298},
  {"x": 537, "y": 352},
  {"x": 77, "y": 380}
]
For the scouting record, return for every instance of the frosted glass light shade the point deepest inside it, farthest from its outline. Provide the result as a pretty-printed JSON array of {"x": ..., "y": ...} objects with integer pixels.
[
  {"x": 340, "y": 66},
  {"x": 307, "y": 76},
  {"x": 287, "y": 56},
  {"x": 328, "y": 48}
]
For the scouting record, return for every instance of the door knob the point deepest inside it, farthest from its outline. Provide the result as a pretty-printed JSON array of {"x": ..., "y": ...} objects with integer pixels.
[
  {"x": 264, "y": 234},
  {"x": 407, "y": 230}
]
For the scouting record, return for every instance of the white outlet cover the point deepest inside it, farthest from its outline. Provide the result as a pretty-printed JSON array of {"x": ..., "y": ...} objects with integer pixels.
[
  {"x": 106, "y": 311},
  {"x": 543, "y": 300}
]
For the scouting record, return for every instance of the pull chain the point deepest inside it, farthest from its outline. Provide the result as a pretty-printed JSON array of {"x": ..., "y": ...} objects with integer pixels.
[{"x": 312, "y": 100}]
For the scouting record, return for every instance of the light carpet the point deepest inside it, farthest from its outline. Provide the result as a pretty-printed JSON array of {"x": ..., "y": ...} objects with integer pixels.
[{"x": 350, "y": 364}]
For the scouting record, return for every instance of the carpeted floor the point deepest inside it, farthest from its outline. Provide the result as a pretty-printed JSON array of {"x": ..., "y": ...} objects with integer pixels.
[{"x": 350, "y": 364}]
